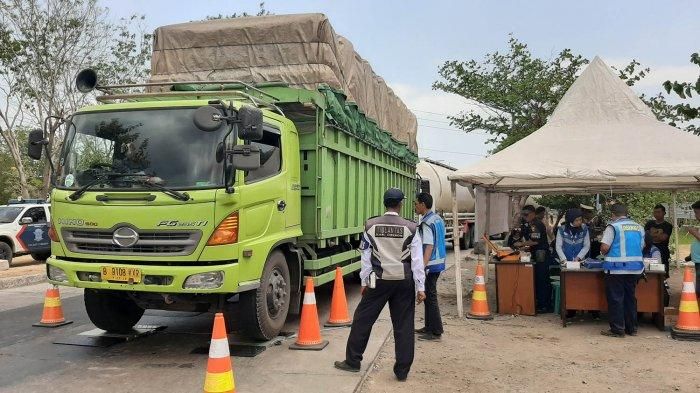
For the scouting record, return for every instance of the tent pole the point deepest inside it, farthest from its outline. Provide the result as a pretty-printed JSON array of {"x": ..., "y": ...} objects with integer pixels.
[
  {"x": 675, "y": 227},
  {"x": 455, "y": 245},
  {"x": 487, "y": 231}
]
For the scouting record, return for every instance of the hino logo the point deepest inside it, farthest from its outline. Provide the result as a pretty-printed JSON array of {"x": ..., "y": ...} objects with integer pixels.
[{"x": 125, "y": 237}]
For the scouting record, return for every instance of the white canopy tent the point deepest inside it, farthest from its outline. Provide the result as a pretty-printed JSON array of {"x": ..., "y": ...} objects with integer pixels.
[{"x": 601, "y": 138}]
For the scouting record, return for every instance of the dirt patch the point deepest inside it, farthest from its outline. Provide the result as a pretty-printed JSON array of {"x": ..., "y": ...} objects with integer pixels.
[
  {"x": 23, "y": 266},
  {"x": 535, "y": 354}
]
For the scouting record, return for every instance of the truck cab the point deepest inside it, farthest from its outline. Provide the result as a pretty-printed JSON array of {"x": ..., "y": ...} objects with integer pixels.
[
  {"x": 150, "y": 213},
  {"x": 24, "y": 229}
]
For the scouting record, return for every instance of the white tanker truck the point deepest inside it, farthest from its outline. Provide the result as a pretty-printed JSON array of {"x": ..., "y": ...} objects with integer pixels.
[{"x": 433, "y": 180}]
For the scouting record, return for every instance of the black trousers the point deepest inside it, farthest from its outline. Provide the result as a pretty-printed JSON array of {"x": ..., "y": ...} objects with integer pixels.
[
  {"x": 622, "y": 302},
  {"x": 433, "y": 320},
  {"x": 543, "y": 285},
  {"x": 402, "y": 306}
]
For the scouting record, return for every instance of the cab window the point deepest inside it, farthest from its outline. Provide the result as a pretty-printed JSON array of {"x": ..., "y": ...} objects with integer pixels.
[
  {"x": 37, "y": 214},
  {"x": 270, "y": 156}
]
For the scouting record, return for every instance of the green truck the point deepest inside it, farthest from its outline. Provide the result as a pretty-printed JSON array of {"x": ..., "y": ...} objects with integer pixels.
[{"x": 181, "y": 199}]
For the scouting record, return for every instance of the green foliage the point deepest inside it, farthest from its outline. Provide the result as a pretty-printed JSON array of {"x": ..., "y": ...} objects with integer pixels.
[
  {"x": 129, "y": 55},
  {"x": 43, "y": 43},
  {"x": 685, "y": 112},
  {"x": 514, "y": 91},
  {"x": 261, "y": 12},
  {"x": 639, "y": 204},
  {"x": 565, "y": 202},
  {"x": 9, "y": 176}
]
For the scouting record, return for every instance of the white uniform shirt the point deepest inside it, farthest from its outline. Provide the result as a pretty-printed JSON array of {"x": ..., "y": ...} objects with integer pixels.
[{"x": 417, "y": 265}]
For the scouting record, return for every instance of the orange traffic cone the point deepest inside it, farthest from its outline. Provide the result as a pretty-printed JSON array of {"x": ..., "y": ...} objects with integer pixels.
[
  {"x": 53, "y": 312},
  {"x": 688, "y": 325},
  {"x": 480, "y": 306},
  {"x": 339, "y": 304},
  {"x": 309, "y": 330},
  {"x": 219, "y": 378}
]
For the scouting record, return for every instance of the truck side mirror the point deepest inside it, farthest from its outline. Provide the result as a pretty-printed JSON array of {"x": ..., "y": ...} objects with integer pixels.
[
  {"x": 246, "y": 157},
  {"x": 25, "y": 220},
  {"x": 251, "y": 119},
  {"x": 208, "y": 118},
  {"x": 35, "y": 144}
]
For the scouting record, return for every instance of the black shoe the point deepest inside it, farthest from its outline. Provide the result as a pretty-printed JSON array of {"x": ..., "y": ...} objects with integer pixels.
[
  {"x": 401, "y": 379},
  {"x": 430, "y": 337},
  {"x": 346, "y": 367},
  {"x": 631, "y": 333},
  {"x": 422, "y": 330},
  {"x": 610, "y": 333}
]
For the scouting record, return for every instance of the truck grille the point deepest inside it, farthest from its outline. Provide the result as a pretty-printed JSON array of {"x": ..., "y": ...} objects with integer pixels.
[{"x": 152, "y": 243}]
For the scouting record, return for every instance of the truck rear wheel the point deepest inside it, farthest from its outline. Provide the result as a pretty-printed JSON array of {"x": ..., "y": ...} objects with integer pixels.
[
  {"x": 264, "y": 310},
  {"x": 112, "y": 311}
]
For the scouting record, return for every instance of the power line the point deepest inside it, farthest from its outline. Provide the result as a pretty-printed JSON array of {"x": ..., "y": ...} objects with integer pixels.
[
  {"x": 453, "y": 130},
  {"x": 432, "y": 113},
  {"x": 452, "y": 152},
  {"x": 436, "y": 121}
]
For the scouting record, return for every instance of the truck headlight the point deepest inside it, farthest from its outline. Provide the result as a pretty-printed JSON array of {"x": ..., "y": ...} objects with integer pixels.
[
  {"x": 208, "y": 280},
  {"x": 56, "y": 274}
]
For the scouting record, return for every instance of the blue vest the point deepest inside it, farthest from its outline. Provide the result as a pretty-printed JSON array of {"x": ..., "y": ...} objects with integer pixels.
[
  {"x": 572, "y": 244},
  {"x": 626, "y": 249},
  {"x": 434, "y": 223}
]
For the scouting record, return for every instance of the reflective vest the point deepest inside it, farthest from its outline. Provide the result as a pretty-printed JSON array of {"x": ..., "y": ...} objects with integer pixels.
[
  {"x": 626, "y": 249},
  {"x": 433, "y": 222},
  {"x": 572, "y": 243},
  {"x": 389, "y": 237}
]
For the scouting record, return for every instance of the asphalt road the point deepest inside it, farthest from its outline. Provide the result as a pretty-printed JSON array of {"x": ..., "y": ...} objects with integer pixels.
[{"x": 30, "y": 361}]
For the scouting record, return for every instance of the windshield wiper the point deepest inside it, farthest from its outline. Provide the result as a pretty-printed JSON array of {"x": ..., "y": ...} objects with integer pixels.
[
  {"x": 100, "y": 178},
  {"x": 182, "y": 196}
]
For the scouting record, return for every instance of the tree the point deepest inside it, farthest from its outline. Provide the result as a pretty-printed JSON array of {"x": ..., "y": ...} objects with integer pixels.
[
  {"x": 45, "y": 42},
  {"x": 13, "y": 98},
  {"x": 685, "y": 112},
  {"x": 261, "y": 12},
  {"x": 514, "y": 91}
]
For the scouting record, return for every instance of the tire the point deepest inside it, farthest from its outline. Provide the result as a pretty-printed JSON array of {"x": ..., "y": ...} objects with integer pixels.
[
  {"x": 264, "y": 310},
  {"x": 464, "y": 242},
  {"x": 6, "y": 252},
  {"x": 112, "y": 311},
  {"x": 42, "y": 256}
]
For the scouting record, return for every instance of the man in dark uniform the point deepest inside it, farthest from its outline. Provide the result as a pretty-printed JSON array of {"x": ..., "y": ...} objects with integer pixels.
[
  {"x": 534, "y": 239},
  {"x": 392, "y": 271}
]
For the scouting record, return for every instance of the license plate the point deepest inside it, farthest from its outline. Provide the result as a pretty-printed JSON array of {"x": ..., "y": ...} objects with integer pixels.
[{"x": 122, "y": 274}]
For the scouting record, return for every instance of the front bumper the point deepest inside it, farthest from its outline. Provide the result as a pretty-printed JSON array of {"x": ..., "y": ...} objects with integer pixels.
[{"x": 179, "y": 274}]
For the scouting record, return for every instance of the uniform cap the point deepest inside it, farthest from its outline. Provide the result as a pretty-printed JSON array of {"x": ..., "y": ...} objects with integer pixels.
[{"x": 393, "y": 194}]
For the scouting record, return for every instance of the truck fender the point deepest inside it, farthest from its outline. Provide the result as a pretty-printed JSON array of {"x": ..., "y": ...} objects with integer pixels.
[{"x": 296, "y": 276}]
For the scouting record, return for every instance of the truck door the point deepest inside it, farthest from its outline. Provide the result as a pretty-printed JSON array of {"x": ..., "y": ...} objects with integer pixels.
[{"x": 269, "y": 187}]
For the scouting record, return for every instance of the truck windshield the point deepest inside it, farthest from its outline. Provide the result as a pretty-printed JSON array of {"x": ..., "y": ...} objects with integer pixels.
[
  {"x": 9, "y": 213},
  {"x": 162, "y": 146}
]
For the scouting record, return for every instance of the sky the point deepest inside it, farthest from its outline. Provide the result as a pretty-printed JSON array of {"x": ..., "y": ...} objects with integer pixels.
[{"x": 406, "y": 41}]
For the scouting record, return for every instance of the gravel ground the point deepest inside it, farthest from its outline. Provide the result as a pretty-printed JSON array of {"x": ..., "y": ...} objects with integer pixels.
[{"x": 535, "y": 354}]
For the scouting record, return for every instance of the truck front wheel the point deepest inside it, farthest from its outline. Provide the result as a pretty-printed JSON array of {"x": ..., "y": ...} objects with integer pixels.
[
  {"x": 111, "y": 310},
  {"x": 264, "y": 310}
]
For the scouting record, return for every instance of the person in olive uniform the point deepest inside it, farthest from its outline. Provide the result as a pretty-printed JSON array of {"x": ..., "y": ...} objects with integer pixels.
[{"x": 534, "y": 239}]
